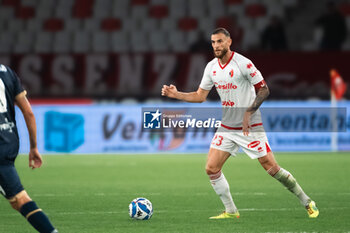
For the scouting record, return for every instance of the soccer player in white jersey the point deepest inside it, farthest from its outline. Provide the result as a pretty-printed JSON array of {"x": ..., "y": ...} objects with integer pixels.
[{"x": 240, "y": 85}]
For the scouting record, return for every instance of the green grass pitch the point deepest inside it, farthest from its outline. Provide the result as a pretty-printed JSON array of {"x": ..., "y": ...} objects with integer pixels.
[{"x": 91, "y": 193}]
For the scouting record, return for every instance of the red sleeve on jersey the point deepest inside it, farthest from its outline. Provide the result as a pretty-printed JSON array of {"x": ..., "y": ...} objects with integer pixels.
[{"x": 260, "y": 85}]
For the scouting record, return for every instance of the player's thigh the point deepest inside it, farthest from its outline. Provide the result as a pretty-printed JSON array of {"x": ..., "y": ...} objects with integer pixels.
[
  {"x": 221, "y": 148},
  {"x": 223, "y": 141},
  {"x": 10, "y": 182},
  {"x": 255, "y": 145}
]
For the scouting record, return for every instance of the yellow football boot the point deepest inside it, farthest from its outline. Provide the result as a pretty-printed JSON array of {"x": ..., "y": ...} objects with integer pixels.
[
  {"x": 312, "y": 210},
  {"x": 225, "y": 215}
]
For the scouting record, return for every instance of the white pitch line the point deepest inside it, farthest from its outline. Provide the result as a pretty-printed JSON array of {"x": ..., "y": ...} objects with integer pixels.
[
  {"x": 330, "y": 194},
  {"x": 93, "y": 194},
  {"x": 182, "y": 211},
  {"x": 135, "y": 194},
  {"x": 54, "y": 195},
  {"x": 158, "y": 194}
]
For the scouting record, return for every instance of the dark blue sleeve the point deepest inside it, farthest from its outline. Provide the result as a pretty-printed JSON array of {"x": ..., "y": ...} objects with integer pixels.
[{"x": 17, "y": 87}]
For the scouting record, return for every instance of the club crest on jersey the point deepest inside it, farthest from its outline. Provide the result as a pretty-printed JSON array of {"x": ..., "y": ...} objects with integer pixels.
[
  {"x": 214, "y": 73},
  {"x": 231, "y": 73}
]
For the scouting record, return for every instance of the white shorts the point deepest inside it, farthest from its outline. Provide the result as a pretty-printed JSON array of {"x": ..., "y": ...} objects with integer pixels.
[{"x": 255, "y": 145}]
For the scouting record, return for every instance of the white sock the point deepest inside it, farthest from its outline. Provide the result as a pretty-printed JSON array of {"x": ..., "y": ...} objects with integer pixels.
[
  {"x": 221, "y": 187},
  {"x": 292, "y": 185}
]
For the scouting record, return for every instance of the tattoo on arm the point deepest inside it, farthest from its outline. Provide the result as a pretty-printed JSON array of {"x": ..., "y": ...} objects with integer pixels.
[{"x": 261, "y": 95}]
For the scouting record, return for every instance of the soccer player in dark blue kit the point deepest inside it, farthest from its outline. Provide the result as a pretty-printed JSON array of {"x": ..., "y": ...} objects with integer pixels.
[{"x": 11, "y": 93}]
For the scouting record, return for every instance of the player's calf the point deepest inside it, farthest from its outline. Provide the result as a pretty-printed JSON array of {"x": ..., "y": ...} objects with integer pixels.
[
  {"x": 34, "y": 215},
  {"x": 288, "y": 180},
  {"x": 222, "y": 188}
]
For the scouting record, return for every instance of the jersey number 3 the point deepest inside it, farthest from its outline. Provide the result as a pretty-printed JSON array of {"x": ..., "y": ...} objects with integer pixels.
[{"x": 217, "y": 140}]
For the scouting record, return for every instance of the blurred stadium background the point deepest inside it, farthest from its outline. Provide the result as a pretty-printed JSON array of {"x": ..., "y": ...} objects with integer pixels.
[
  {"x": 90, "y": 66},
  {"x": 121, "y": 49},
  {"x": 111, "y": 57}
]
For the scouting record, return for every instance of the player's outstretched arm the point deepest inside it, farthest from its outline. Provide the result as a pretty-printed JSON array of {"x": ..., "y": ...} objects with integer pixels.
[
  {"x": 198, "y": 96},
  {"x": 35, "y": 160}
]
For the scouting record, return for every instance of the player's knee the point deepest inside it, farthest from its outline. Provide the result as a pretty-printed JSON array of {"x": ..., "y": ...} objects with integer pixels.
[
  {"x": 19, "y": 200},
  {"x": 212, "y": 170},
  {"x": 273, "y": 169}
]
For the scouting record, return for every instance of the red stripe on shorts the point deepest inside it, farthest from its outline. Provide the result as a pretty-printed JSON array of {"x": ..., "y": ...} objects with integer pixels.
[{"x": 267, "y": 147}]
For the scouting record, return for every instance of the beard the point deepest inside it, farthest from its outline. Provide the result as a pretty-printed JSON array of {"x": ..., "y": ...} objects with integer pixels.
[{"x": 221, "y": 54}]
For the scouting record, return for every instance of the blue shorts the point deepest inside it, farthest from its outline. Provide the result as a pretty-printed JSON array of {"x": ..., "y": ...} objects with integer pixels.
[{"x": 10, "y": 184}]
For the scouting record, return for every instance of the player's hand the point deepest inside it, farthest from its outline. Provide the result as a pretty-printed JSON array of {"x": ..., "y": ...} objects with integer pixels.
[
  {"x": 169, "y": 91},
  {"x": 246, "y": 123},
  {"x": 35, "y": 160}
]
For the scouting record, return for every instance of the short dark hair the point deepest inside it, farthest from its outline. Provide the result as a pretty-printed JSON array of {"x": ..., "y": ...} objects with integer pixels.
[{"x": 221, "y": 30}]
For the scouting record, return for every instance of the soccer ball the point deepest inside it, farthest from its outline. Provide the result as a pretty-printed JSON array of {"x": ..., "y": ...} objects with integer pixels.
[{"x": 141, "y": 209}]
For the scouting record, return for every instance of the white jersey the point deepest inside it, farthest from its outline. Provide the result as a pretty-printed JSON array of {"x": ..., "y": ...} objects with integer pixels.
[{"x": 234, "y": 83}]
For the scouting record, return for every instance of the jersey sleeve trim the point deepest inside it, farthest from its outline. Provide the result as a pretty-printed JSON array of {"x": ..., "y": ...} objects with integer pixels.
[
  {"x": 21, "y": 94},
  {"x": 258, "y": 78},
  {"x": 259, "y": 85}
]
